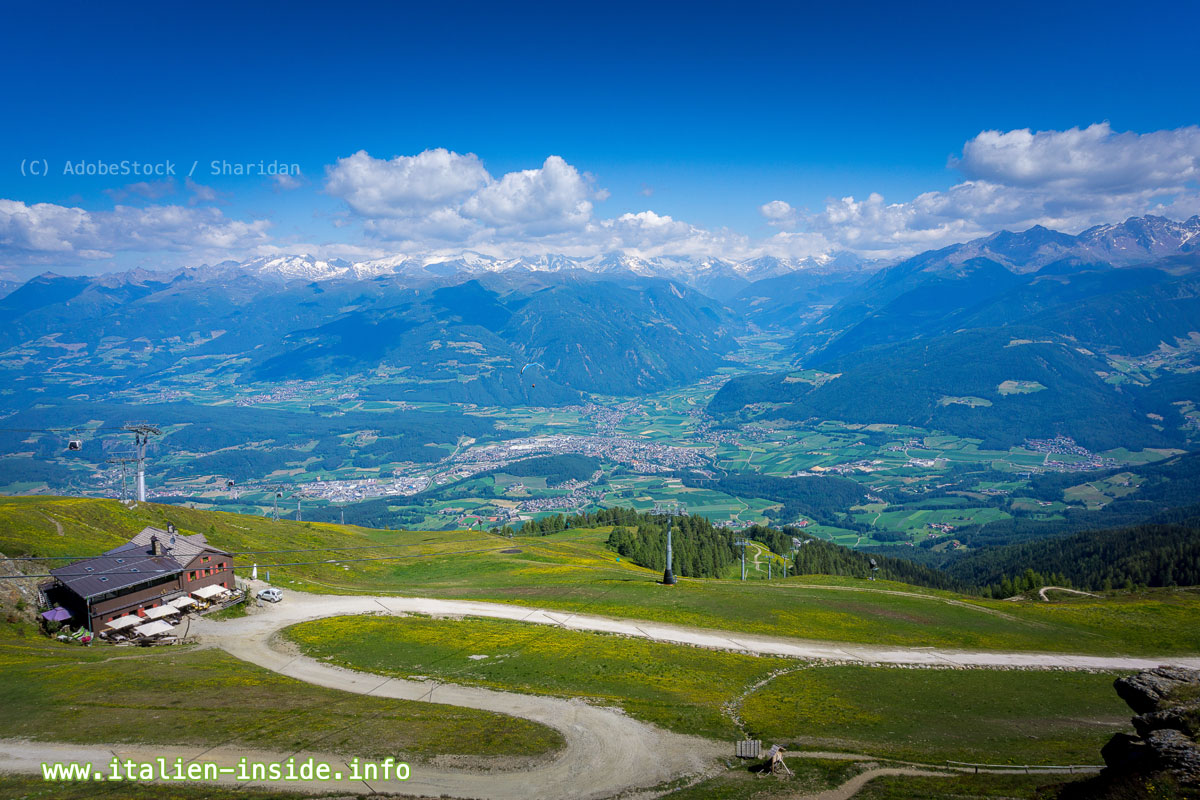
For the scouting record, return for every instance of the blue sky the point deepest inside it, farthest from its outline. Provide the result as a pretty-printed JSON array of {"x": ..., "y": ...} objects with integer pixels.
[{"x": 699, "y": 113}]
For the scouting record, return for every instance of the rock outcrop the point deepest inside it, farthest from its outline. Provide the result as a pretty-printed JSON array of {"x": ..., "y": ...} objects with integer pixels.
[
  {"x": 1146, "y": 691},
  {"x": 1167, "y": 703}
]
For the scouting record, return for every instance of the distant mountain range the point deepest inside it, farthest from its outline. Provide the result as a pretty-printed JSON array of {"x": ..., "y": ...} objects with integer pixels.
[
  {"x": 925, "y": 341},
  {"x": 1134, "y": 241},
  {"x": 1026, "y": 277},
  {"x": 455, "y": 340},
  {"x": 721, "y": 277}
]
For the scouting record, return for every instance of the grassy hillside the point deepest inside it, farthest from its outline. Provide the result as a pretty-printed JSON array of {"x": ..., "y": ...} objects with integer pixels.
[
  {"x": 574, "y": 571},
  {"x": 920, "y": 715},
  {"x": 66, "y": 693},
  {"x": 983, "y": 716}
]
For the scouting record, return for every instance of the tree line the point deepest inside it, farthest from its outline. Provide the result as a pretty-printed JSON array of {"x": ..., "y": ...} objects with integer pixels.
[
  {"x": 1141, "y": 555},
  {"x": 1159, "y": 554}
]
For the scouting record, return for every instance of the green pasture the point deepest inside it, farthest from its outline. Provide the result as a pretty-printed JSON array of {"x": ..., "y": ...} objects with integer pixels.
[
  {"x": 919, "y": 715},
  {"x": 931, "y": 715},
  {"x": 574, "y": 571},
  {"x": 68, "y": 693}
]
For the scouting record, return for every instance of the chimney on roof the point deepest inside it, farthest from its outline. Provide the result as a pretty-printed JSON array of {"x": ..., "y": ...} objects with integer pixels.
[{"x": 155, "y": 547}]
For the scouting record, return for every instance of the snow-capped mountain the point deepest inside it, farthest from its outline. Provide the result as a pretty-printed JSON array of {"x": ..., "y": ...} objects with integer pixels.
[
  {"x": 1137, "y": 240},
  {"x": 298, "y": 267},
  {"x": 691, "y": 270},
  {"x": 1139, "y": 237}
]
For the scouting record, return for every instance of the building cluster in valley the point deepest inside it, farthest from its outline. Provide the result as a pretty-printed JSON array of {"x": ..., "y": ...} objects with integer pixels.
[
  {"x": 607, "y": 418},
  {"x": 292, "y": 391},
  {"x": 1082, "y": 459},
  {"x": 638, "y": 454}
]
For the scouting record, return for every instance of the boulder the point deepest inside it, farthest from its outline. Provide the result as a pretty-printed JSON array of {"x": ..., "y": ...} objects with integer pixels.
[
  {"x": 1175, "y": 752},
  {"x": 1145, "y": 691},
  {"x": 1126, "y": 753},
  {"x": 1184, "y": 718}
]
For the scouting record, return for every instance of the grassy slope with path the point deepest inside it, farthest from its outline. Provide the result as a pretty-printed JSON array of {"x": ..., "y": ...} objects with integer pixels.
[
  {"x": 981, "y": 716},
  {"x": 185, "y": 696},
  {"x": 920, "y": 715},
  {"x": 574, "y": 571}
]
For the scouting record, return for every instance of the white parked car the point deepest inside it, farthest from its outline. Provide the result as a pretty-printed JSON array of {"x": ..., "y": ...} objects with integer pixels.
[{"x": 272, "y": 594}]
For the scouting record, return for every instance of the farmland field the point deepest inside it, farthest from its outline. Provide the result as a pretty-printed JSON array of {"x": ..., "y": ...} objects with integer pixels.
[{"x": 326, "y": 476}]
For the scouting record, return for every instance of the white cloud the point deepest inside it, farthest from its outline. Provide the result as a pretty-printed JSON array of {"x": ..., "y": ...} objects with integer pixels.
[
  {"x": 439, "y": 224},
  {"x": 439, "y": 200},
  {"x": 797, "y": 244},
  {"x": 779, "y": 214},
  {"x": 1065, "y": 180},
  {"x": 44, "y": 227},
  {"x": 1094, "y": 158},
  {"x": 204, "y": 194},
  {"x": 285, "y": 182},
  {"x": 49, "y": 233},
  {"x": 648, "y": 234},
  {"x": 447, "y": 197},
  {"x": 405, "y": 186},
  {"x": 551, "y": 199}
]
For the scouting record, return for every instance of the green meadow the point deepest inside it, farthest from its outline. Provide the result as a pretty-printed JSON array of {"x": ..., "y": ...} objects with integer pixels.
[
  {"x": 912, "y": 714},
  {"x": 67, "y": 693},
  {"x": 574, "y": 571}
]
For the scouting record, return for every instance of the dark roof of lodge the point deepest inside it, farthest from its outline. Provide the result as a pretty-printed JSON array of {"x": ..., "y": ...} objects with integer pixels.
[{"x": 133, "y": 563}]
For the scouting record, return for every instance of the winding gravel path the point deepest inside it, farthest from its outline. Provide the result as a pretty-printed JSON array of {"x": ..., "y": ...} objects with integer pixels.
[
  {"x": 606, "y": 752},
  {"x": 855, "y": 784},
  {"x": 298, "y": 607}
]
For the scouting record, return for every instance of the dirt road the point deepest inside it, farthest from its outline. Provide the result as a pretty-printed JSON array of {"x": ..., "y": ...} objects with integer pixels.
[
  {"x": 1044, "y": 589},
  {"x": 855, "y": 784},
  {"x": 298, "y": 607},
  {"x": 606, "y": 752}
]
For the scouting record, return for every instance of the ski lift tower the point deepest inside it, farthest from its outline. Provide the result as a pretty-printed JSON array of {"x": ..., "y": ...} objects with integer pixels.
[
  {"x": 141, "y": 435},
  {"x": 124, "y": 484},
  {"x": 670, "y": 510},
  {"x": 743, "y": 542}
]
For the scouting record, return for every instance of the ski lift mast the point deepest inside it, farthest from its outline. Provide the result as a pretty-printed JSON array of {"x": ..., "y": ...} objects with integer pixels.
[
  {"x": 671, "y": 511},
  {"x": 743, "y": 542},
  {"x": 124, "y": 483},
  {"x": 141, "y": 436}
]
